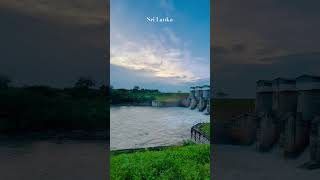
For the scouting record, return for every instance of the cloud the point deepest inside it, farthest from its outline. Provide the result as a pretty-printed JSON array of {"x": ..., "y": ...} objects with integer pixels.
[
  {"x": 173, "y": 37},
  {"x": 167, "y": 5},
  {"x": 35, "y": 49},
  {"x": 68, "y": 11},
  {"x": 153, "y": 55}
]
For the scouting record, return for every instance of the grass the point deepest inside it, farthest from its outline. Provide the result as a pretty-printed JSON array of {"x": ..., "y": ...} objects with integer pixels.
[
  {"x": 184, "y": 162},
  {"x": 171, "y": 97},
  {"x": 227, "y": 108},
  {"x": 119, "y": 96},
  {"x": 205, "y": 129}
]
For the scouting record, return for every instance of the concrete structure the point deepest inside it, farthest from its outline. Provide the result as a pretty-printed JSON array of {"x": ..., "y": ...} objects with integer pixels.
[
  {"x": 197, "y": 136},
  {"x": 263, "y": 96},
  {"x": 315, "y": 140},
  {"x": 266, "y": 127},
  {"x": 190, "y": 97},
  {"x": 207, "y": 96},
  {"x": 309, "y": 96},
  {"x": 242, "y": 129},
  {"x": 308, "y": 109},
  {"x": 287, "y": 112},
  {"x": 193, "y": 99},
  {"x": 204, "y": 97},
  {"x": 289, "y": 125},
  {"x": 284, "y": 96}
]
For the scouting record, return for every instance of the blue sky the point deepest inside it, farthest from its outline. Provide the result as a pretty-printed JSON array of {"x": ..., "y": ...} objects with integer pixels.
[{"x": 165, "y": 56}]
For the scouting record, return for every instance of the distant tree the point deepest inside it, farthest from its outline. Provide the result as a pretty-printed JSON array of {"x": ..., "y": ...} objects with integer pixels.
[
  {"x": 179, "y": 91},
  {"x": 136, "y": 88},
  {"x": 4, "y": 81},
  {"x": 84, "y": 83}
]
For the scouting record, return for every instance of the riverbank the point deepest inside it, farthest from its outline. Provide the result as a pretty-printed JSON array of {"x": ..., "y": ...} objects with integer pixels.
[
  {"x": 77, "y": 135},
  {"x": 183, "y": 162},
  {"x": 145, "y": 97}
]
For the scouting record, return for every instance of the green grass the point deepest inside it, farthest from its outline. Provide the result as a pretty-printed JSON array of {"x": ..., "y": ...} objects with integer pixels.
[
  {"x": 205, "y": 128},
  {"x": 119, "y": 96},
  {"x": 227, "y": 108},
  {"x": 171, "y": 97},
  {"x": 184, "y": 162}
]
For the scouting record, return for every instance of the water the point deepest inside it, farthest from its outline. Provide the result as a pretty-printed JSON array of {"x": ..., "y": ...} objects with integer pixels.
[
  {"x": 48, "y": 160},
  {"x": 136, "y": 127}
]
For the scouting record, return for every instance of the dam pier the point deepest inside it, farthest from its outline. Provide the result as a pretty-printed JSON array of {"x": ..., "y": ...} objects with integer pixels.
[
  {"x": 199, "y": 99},
  {"x": 287, "y": 117}
]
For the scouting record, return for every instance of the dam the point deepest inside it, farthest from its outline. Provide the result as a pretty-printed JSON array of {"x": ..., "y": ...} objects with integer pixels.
[
  {"x": 199, "y": 99},
  {"x": 286, "y": 117}
]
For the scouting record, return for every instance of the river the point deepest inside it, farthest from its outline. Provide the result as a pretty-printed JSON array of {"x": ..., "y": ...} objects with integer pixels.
[
  {"x": 50, "y": 160},
  {"x": 144, "y": 126}
]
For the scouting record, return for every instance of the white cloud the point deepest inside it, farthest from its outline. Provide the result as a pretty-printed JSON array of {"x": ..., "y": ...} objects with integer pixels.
[
  {"x": 153, "y": 56},
  {"x": 173, "y": 37},
  {"x": 167, "y": 5}
]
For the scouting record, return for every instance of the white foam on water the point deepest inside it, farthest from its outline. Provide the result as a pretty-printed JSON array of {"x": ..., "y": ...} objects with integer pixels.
[{"x": 138, "y": 127}]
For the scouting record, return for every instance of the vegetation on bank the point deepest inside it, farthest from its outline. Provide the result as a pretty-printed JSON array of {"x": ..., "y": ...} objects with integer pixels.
[
  {"x": 137, "y": 95},
  {"x": 205, "y": 129},
  {"x": 43, "y": 108},
  {"x": 184, "y": 162},
  {"x": 225, "y": 109}
]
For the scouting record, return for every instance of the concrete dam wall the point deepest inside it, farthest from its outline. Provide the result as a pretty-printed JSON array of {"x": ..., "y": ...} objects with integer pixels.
[
  {"x": 199, "y": 98},
  {"x": 287, "y": 113}
]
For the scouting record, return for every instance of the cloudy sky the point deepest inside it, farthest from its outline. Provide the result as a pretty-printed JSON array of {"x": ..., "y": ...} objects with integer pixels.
[
  {"x": 164, "y": 56},
  {"x": 263, "y": 39},
  {"x": 53, "y": 42}
]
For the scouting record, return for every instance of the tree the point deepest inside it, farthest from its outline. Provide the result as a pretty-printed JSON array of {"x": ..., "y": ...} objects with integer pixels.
[
  {"x": 84, "y": 83},
  {"x": 4, "y": 81},
  {"x": 136, "y": 88}
]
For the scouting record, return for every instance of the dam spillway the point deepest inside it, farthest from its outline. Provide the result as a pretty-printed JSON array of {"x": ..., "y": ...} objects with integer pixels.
[
  {"x": 199, "y": 98},
  {"x": 287, "y": 113}
]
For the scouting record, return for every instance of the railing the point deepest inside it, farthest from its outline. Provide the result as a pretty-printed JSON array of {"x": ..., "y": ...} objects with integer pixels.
[{"x": 197, "y": 136}]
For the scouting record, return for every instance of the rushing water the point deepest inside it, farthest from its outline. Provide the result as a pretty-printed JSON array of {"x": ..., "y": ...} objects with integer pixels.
[{"x": 136, "y": 127}]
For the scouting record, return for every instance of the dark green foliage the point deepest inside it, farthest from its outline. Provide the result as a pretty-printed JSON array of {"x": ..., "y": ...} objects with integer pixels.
[
  {"x": 137, "y": 95},
  {"x": 4, "y": 82},
  {"x": 40, "y": 108},
  {"x": 186, "y": 162},
  {"x": 228, "y": 108},
  {"x": 84, "y": 83}
]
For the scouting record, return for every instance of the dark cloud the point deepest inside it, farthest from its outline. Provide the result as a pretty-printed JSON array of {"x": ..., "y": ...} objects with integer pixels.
[
  {"x": 264, "y": 51},
  {"x": 238, "y": 48},
  {"x": 68, "y": 11},
  {"x": 49, "y": 49},
  {"x": 220, "y": 50},
  {"x": 278, "y": 38}
]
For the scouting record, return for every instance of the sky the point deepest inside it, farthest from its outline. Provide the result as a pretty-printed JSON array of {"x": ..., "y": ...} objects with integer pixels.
[
  {"x": 166, "y": 56},
  {"x": 263, "y": 39},
  {"x": 54, "y": 42}
]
